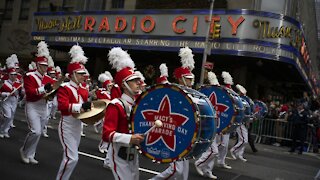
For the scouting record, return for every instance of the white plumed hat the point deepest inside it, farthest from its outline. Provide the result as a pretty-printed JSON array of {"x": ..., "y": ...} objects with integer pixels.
[
  {"x": 77, "y": 60},
  {"x": 213, "y": 78},
  {"x": 187, "y": 62},
  {"x": 227, "y": 79},
  {"x": 124, "y": 65},
  {"x": 241, "y": 89}
]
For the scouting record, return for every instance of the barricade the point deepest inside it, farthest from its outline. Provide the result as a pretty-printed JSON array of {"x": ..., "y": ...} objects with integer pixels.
[{"x": 277, "y": 129}]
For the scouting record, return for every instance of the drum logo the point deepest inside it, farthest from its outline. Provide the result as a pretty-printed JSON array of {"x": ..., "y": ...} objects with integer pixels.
[
  {"x": 170, "y": 120},
  {"x": 220, "y": 108}
]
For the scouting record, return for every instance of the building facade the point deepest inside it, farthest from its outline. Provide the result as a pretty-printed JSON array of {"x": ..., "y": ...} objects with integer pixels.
[{"x": 269, "y": 46}]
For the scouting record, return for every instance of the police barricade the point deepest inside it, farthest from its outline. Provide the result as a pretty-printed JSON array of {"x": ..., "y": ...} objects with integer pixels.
[{"x": 276, "y": 130}]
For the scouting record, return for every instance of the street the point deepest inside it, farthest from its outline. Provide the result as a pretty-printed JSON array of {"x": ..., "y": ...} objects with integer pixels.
[{"x": 269, "y": 163}]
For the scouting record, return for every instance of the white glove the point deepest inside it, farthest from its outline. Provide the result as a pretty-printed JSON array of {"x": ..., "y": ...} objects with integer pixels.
[{"x": 5, "y": 94}]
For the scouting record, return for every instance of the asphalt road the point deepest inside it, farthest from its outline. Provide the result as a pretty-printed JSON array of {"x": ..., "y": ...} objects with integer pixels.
[{"x": 269, "y": 163}]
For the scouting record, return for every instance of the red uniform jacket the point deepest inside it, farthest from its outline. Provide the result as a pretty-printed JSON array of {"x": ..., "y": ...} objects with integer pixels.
[
  {"x": 34, "y": 85},
  {"x": 9, "y": 86},
  {"x": 115, "y": 91},
  {"x": 102, "y": 93},
  {"x": 116, "y": 124},
  {"x": 70, "y": 98}
]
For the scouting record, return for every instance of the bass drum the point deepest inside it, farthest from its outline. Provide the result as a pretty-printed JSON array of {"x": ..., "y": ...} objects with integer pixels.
[
  {"x": 249, "y": 107},
  {"x": 228, "y": 105},
  {"x": 188, "y": 122},
  {"x": 260, "y": 109}
]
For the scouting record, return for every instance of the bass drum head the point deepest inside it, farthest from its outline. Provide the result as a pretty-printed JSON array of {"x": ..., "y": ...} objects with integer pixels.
[
  {"x": 251, "y": 104},
  {"x": 175, "y": 108},
  {"x": 223, "y": 103},
  {"x": 260, "y": 109}
]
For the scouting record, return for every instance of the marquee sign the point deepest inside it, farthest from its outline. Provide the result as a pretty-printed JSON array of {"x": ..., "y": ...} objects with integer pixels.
[{"x": 236, "y": 32}]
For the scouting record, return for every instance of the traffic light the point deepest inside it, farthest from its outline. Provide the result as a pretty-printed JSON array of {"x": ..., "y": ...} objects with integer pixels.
[{"x": 216, "y": 31}]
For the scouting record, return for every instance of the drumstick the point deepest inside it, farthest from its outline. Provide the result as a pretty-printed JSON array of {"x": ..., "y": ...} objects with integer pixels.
[{"x": 157, "y": 123}]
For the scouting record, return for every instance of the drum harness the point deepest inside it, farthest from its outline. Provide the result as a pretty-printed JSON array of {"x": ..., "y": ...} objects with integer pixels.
[{"x": 127, "y": 153}]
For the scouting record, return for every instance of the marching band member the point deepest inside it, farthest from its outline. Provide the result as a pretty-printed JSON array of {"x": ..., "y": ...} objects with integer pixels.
[
  {"x": 17, "y": 67},
  {"x": 57, "y": 77},
  {"x": 72, "y": 99},
  {"x": 104, "y": 93},
  {"x": 117, "y": 126},
  {"x": 50, "y": 72},
  {"x": 205, "y": 163},
  {"x": 10, "y": 91},
  {"x": 163, "y": 74},
  {"x": 85, "y": 85},
  {"x": 184, "y": 76},
  {"x": 36, "y": 84},
  {"x": 237, "y": 150},
  {"x": 223, "y": 139},
  {"x": 106, "y": 81}
]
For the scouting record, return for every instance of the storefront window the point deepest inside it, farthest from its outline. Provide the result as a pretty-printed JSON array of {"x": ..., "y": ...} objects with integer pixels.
[
  {"x": 8, "y": 10},
  {"x": 24, "y": 9}
]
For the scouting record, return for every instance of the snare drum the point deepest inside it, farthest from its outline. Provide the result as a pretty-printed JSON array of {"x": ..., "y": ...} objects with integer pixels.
[
  {"x": 228, "y": 106},
  {"x": 260, "y": 109},
  {"x": 187, "y": 117}
]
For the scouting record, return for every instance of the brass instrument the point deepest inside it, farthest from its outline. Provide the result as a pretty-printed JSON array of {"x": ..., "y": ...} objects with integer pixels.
[{"x": 96, "y": 113}]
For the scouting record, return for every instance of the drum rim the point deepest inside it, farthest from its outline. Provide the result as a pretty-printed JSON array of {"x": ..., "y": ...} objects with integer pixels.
[{"x": 184, "y": 153}]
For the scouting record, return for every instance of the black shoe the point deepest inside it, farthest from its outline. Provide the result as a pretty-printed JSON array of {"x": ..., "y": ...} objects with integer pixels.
[
  {"x": 300, "y": 152},
  {"x": 291, "y": 150},
  {"x": 254, "y": 150}
]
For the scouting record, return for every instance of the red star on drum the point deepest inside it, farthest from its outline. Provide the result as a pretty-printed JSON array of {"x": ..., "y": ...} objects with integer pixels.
[
  {"x": 217, "y": 106},
  {"x": 170, "y": 122}
]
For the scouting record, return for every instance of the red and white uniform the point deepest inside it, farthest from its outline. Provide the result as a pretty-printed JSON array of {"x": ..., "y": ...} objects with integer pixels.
[
  {"x": 9, "y": 106},
  {"x": 238, "y": 149},
  {"x": 102, "y": 93},
  {"x": 115, "y": 91},
  {"x": 206, "y": 160},
  {"x": 70, "y": 98},
  {"x": 50, "y": 107},
  {"x": 35, "y": 109},
  {"x": 116, "y": 131}
]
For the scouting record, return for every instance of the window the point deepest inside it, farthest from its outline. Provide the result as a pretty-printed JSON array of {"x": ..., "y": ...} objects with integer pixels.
[
  {"x": 24, "y": 9},
  {"x": 68, "y": 5},
  {"x": 8, "y": 10},
  {"x": 117, "y": 4},
  {"x": 95, "y": 5},
  {"x": 275, "y": 6},
  {"x": 43, "y": 6}
]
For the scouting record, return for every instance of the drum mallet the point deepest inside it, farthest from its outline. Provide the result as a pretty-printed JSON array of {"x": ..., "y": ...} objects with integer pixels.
[{"x": 157, "y": 123}]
